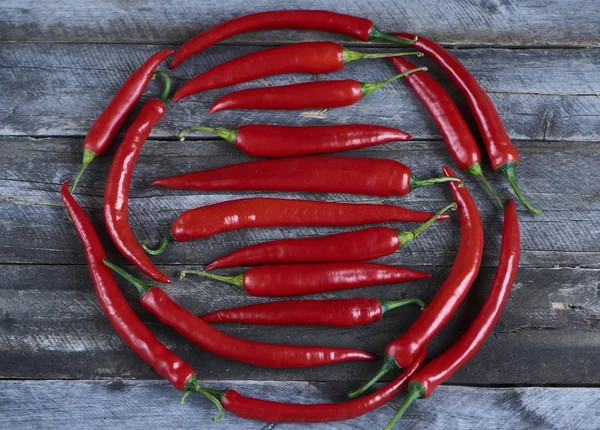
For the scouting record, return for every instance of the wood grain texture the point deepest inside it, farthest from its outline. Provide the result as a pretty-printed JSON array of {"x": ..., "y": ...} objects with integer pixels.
[
  {"x": 153, "y": 405},
  {"x": 471, "y": 22}
]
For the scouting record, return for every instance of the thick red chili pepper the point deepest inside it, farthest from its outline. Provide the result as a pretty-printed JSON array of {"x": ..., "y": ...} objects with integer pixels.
[
  {"x": 504, "y": 156},
  {"x": 278, "y": 412},
  {"x": 438, "y": 370},
  {"x": 456, "y": 133},
  {"x": 232, "y": 215},
  {"x": 276, "y": 141},
  {"x": 303, "y": 279},
  {"x": 321, "y": 174},
  {"x": 359, "y": 245},
  {"x": 216, "y": 342},
  {"x": 320, "y": 20},
  {"x": 402, "y": 351},
  {"x": 118, "y": 312},
  {"x": 305, "y": 95},
  {"x": 303, "y": 57},
  {"x": 116, "y": 191},
  {"x": 333, "y": 313},
  {"x": 109, "y": 122}
]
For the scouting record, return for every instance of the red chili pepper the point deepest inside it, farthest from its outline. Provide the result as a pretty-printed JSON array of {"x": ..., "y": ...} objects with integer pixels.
[
  {"x": 333, "y": 313},
  {"x": 359, "y": 245},
  {"x": 116, "y": 191},
  {"x": 402, "y": 351},
  {"x": 456, "y": 133},
  {"x": 320, "y": 20},
  {"x": 276, "y": 141},
  {"x": 216, "y": 342},
  {"x": 118, "y": 312},
  {"x": 437, "y": 371},
  {"x": 305, "y": 95},
  {"x": 303, "y": 57},
  {"x": 232, "y": 215},
  {"x": 504, "y": 156},
  {"x": 278, "y": 412},
  {"x": 303, "y": 279},
  {"x": 110, "y": 121},
  {"x": 321, "y": 174}
]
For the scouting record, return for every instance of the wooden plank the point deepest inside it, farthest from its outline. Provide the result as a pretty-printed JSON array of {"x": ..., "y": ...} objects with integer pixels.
[
  {"x": 52, "y": 327},
  {"x": 153, "y": 405},
  {"x": 527, "y": 22},
  {"x": 59, "y": 90}
]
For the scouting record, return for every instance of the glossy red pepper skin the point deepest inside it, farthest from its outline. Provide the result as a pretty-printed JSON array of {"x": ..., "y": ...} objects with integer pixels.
[
  {"x": 440, "y": 369},
  {"x": 277, "y": 412},
  {"x": 116, "y": 191},
  {"x": 320, "y": 20},
  {"x": 118, "y": 312},
  {"x": 241, "y": 350}
]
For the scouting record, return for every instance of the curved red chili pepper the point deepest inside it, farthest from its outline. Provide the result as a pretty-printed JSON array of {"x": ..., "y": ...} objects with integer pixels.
[
  {"x": 305, "y": 95},
  {"x": 303, "y": 279},
  {"x": 403, "y": 350},
  {"x": 232, "y": 215},
  {"x": 374, "y": 176},
  {"x": 504, "y": 156},
  {"x": 107, "y": 125},
  {"x": 303, "y": 57},
  {"x": 216, "y": 342},
  {"x": 438, "y": 370},
  {"x": 277, "y": 141},
  {"x": 456, "y": 133},
  {"x": 320, "y": 20},
  {"x": 333, "y": 313},
  {"x": 359, "y": 245},
  {"x": 278, "y": 412},
  {"x": 116, "y": 191}
]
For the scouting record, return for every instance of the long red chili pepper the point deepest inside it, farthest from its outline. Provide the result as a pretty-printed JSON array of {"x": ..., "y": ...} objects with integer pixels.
[
  {"x": 402, "y": 351},
  {"x": 216, "y": 342},
  {"x": 120, "y": 315},
  {"x": 303, "y": 57},
  {"x": 437, "y": 371},
  {"x": 231, "y": 215},
  {"x": 109, "y": 122},
  {"x": 333, "y": 313},
  {"x": 278, "y": 412},
  {"x": 116, "y": 191},
  {"x": 374, "y": 176},
  {"x": 305, "y": 95},
  {"x": 504, "y": 156},
  {"x": 456, "y": 133},
  {"x": 359, "y": 245},
  {"x": 320, "y": 20},
  {"x": 276, "y": 141},
  {"x": 302, "y": 279}
]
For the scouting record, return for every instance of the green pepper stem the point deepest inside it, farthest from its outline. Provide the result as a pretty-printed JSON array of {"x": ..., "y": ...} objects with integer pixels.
[
  {"x": 349, "y": 55},
  {"x": 393, "y": 304},
  {"x": 369, "y": 87},
  {"x": 415, "y": 391},
  {"x": 388, "y": 365},
  {"x": 508, "y": 171},
  {"x": 475, "y": 170},
  {"x": 228, "y": 134},
  {"x": 88, "y": 157},
  {"x": 407, "y": 236},
  {"x": 165, "y": 94},
  {"x": 161, "y": 246},
  {"x": 214, "y": 396},
  {"x": 418, "y": 182},
  {"x": 376, "y": 33},
  {"x": 141, "y": 286},
  {"x": 237, "y": 280}
]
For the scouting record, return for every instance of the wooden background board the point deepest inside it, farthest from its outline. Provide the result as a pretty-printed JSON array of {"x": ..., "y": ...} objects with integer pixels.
[{"x": 61, "y": 62}]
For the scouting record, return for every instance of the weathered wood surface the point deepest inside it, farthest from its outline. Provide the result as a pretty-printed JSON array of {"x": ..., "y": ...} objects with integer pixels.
[{"x": 153, "y": 405}]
